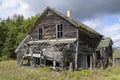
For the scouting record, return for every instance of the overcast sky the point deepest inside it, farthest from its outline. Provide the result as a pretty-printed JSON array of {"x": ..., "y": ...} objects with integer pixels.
[{"x": 101, "y": 15}]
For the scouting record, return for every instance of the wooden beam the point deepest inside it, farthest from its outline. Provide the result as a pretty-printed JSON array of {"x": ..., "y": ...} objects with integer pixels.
[
  {"x": 76, "y": 55},
  {"x": 54, "y": 64},
  {"x": 91, "y": 62},
  {"x": 94, "y": 60},
  {"x": 71, "y": 66}
]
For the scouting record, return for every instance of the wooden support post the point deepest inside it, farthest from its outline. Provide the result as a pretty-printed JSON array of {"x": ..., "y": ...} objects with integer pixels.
[
  {"x": 54, "y": 64},
  {"x": 61, "y": 65},
  {"x": 34, "y": 62},
  {"x": 76, "y": 55},
  {"x": 18, "y": 59},
  {"x": 94, "y": 59},
  {"x": 103, "y": 57},
  {"x": 28, "y": 62},
  {"x": 91, "y": 62},
  {"x": 86, "y": 62},
  {"x": 44, "y": 60},
  {"x": 71, "y": 66},
  {"x": 40, "y": 60}
]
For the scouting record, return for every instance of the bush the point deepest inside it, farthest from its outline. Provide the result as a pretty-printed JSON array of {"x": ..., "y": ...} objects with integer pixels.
[{"x": 46, "y": 68}]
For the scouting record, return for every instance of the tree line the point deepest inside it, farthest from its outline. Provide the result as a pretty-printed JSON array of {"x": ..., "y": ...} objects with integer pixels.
[{"x": 12, "y": 31}]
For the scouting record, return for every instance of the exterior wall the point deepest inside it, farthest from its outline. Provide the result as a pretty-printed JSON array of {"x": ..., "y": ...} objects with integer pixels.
[{"x": 49, "y": 23}]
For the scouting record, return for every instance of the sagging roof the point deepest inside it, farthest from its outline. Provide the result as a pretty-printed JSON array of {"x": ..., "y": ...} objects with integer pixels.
[
  {"x": 105, "y": 42},
  {"x": 70, "y": 20}
]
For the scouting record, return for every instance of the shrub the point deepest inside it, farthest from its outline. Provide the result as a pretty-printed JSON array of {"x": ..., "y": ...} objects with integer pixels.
[{"x": 46, "y": 68}]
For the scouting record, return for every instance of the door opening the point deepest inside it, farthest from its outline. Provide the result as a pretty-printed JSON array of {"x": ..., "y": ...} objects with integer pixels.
[{"x": 88, "y": 61}]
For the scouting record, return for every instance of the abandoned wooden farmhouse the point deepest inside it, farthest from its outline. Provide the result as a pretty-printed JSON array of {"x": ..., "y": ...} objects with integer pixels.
[{"x": 60, "y": 42}]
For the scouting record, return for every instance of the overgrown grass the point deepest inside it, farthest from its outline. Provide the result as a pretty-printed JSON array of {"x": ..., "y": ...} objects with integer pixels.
[{"x": 9, "y": 71}]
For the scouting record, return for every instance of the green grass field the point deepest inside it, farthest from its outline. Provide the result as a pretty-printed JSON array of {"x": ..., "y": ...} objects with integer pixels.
[{"x": 9, "y": 71}]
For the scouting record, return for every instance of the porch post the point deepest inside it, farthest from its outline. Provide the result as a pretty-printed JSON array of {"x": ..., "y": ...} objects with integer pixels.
[
  {"x": 71, "y": 66},
  {"x": 94, "y": 59},
  {"x": 54, "y": 64},
  {"x": 76, "y": 55},
  {"x": 91, "y": 62}
]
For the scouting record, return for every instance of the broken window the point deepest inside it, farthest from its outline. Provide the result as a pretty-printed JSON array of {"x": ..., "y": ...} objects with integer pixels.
[
  {"x": 59, "y": 31},
  {"x": 40, "y": 33}
]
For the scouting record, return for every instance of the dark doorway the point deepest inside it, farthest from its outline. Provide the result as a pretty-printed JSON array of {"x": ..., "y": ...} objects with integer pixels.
[
  {"x": 37, "y": 61},
  {"x": 88, "y": 61},
  {"x": 98, "y": 59},
  {"x": 98, "y": 55},
  {"x": 49, "y": 63},
  {"x": 57, "y": 64}
]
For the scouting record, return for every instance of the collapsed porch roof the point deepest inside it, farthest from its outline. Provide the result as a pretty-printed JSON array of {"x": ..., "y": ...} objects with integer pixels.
[
  {"x": 53, "y": 41},
  {"x": 105, "y": 42}
]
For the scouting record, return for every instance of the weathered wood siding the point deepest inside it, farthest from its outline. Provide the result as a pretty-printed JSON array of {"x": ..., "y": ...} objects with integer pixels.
[{"x": 49, "y": 23}]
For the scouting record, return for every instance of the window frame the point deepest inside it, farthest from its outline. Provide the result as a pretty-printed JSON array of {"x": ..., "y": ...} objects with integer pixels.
[
  {"x": 59, "y": 33},
  {"x": 41, "y": 33}
]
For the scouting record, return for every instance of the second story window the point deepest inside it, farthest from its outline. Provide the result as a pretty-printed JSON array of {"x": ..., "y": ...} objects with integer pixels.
[
  {"x": 40, "y": 32},
  {"x": 59, "y": 31}
]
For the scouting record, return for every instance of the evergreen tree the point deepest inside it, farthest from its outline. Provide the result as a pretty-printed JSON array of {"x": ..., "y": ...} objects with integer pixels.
[
  {"x": 12, "y": 32},
  {"x": 3, "y": 34}
]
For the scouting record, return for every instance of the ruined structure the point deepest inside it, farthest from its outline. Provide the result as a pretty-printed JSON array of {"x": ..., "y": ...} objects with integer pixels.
[{"x": 59, "y": 41}]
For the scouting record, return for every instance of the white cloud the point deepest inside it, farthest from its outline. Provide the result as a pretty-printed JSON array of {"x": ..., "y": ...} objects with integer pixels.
[
  {"x": 10, "y": 4},
  {"x": 113, "y": 28},
  {"x": 94, "y": 23},
  {"x": 8, "y": 8},
  {"x": 24, "y": 9},
  {"x": 112, "y": 31}
]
